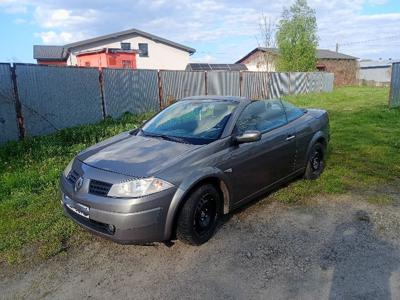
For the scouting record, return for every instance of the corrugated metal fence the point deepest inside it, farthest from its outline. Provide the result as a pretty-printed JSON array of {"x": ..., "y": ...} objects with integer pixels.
[
  {"x": 54, "y": 98},
  {"x": 8, "y": 118},
  {"x": 46, "y": 99},
  {"x": 134, "y": 91},
  {"x": 394, "y": 98}
]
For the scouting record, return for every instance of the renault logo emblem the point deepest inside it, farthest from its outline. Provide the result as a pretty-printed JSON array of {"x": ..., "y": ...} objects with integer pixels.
[{"x": 78, "y": 184}]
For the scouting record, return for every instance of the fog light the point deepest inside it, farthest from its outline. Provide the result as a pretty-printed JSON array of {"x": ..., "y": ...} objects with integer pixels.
[{"x": 111, "y": 229}]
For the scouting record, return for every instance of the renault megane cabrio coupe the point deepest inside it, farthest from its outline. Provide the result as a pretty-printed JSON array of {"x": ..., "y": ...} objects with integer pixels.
[{"x": 194, "y": 161}]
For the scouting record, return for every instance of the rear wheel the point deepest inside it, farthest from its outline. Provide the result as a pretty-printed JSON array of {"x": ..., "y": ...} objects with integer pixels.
[
  {"x": 199, "y": 216},
  {"x": 316, "y": 162}
]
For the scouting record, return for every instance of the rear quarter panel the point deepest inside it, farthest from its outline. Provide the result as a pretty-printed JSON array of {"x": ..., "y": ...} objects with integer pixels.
[{"x": 313, "y": 125}]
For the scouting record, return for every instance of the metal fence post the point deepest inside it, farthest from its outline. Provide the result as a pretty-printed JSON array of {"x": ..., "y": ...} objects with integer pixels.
[
  {"x": 18, "y": 110},
  {"x": 240, "y": 83},
  {"x": 205, "y": 82},
  {"x": 160, "y": 90},
  {"x": 103, "y": 103}
]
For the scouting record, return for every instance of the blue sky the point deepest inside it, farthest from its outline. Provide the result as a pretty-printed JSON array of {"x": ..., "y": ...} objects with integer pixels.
[{"x": 220, "y": 31}]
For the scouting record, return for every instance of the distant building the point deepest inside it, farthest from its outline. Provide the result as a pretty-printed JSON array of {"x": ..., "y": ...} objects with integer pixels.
[
  {"x": 107, "y": 58},
  {"x": 378, "y": 71},
  {"x": 150, "y": 51},
  {"x": 345, "y": 67}
]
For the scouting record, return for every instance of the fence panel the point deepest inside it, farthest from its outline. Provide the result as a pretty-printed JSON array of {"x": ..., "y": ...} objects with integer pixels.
[
  {"x": 223, "y": 83},
  {"x": 58, "y": 97},
  {"x": 278, "y": 85},
  {"x": 298, "y": 83},
  {"x": 8, "y": 117},
  {"x": 315, "y": 82},
  {"x": 179, "y": 84},
  {"x": 394, "y": 98},
  {"x": 134, "y": 91},
  {"x": 327, "y": 82},
  {"x": 255, "y": 85}
]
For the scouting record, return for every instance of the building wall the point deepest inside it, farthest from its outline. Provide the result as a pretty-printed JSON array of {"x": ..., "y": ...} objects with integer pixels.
[
  {"x": 106, "y": 60},
  {"x": 161, "y": 56},
  {"x": 257, "y": 62},
  {"x": 345, "y": 70},
  {"x": 381, "y": 74},
  {"x": 51, "y": 63}
]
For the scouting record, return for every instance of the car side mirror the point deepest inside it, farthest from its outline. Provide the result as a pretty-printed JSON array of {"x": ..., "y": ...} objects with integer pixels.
[{"x": 248, "y": 136}]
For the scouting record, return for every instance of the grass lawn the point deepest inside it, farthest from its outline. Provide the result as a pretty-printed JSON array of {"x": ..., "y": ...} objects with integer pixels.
[{"x": 364, "y": 154}]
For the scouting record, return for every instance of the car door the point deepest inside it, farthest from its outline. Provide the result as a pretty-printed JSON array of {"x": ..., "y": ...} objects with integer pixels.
[{"x": 259, "y": 164}]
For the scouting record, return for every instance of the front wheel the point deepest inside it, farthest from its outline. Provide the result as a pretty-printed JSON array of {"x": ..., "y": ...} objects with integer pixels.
[
  {"x": 199, "y": 216},
  {"x": 316, "y": 162}
]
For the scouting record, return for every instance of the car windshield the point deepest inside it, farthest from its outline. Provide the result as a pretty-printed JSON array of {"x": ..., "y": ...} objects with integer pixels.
[{"x": 191, "y": 121}]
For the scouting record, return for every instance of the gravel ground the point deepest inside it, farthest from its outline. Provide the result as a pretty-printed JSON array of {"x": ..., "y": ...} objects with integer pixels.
[{"x": 338, "y": 247}]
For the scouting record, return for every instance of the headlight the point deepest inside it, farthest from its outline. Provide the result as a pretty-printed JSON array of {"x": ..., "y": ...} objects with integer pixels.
[
  {"x": 138, "y": 187},
  {"x": 68, "y": 168}
]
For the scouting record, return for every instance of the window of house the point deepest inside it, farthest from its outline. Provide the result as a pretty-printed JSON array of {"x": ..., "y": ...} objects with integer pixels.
[
  {"x": 126, "y": 46},
  {"x": 263, "y": 115},
  {"x": 127, "y": 64},
  {"x": 143, "y": 50}
]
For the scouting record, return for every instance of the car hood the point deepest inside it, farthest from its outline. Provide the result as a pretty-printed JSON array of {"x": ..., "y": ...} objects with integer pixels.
[{"x": 136, "y": 156}]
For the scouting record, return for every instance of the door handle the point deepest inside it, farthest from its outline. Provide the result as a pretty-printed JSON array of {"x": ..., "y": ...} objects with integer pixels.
[{"x": 290, "y": 137}]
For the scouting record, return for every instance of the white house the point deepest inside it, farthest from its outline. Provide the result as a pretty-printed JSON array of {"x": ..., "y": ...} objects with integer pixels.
[{"x": 153, "y": 52}]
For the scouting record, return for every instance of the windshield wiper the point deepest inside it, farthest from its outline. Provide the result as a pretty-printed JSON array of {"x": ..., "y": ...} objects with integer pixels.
[{"x": 165, "y": 137}]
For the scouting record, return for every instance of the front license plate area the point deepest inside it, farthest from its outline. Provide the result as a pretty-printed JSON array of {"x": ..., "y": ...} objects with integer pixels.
[
  {"x": 76, "y": 207},
  {"x": 81, "y": 213}
]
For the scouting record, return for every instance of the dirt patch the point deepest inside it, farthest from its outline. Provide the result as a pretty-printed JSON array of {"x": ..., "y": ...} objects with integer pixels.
[{"x": 337, "y": 247}]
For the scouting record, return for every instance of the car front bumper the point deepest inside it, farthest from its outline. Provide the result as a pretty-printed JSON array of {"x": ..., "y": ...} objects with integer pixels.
[{"x": 126, "y": 221}]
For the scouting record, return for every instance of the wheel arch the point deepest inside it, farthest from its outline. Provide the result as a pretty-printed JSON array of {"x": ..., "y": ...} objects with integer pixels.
[
  {"x": 319, "y": 137},
  {"x": 185, "y": 189}
]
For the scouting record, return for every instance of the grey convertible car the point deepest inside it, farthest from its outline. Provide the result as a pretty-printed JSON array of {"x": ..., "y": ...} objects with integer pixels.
[{"x": 194, "y": 161}]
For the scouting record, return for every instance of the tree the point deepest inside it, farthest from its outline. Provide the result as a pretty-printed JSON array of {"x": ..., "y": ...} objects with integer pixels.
[
  {"x": 267, "y": 34},
  {"x": 297, "y": 38}
]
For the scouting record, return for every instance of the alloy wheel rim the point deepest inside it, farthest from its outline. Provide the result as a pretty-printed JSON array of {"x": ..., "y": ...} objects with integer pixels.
[
  {"x": 316, "y": 161},
  {"x": 205, "y": 214}
]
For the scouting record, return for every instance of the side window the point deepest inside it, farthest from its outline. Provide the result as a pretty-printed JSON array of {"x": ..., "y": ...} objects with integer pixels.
[
  {"x": 292, "y": 112},
  {"x": 143, "y": 50},
  {"x": 262, "y": 115}
]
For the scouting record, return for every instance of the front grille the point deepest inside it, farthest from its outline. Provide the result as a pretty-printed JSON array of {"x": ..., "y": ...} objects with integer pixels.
[
  {"x": 73, "y": 177},
  {"x": 99, "y": 188}
]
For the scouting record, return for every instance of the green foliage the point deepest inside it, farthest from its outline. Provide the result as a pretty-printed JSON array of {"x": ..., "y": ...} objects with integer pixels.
[
  {"x": 32, "y": 224},
  {"x": 297, "y": 38}
]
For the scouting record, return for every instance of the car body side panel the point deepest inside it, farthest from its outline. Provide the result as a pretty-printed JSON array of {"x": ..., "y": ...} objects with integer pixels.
[{"x": 259, "y": 164}]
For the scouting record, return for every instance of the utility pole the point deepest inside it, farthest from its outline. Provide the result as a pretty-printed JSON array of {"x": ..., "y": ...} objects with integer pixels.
[{"x": 337, "y": 47}]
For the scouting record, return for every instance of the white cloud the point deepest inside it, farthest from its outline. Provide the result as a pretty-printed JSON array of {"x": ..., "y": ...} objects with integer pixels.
[
  {"x": 63, "y": 18},
  {"x": 209, "y": 25},
  {"x": 59, "y": 38}
]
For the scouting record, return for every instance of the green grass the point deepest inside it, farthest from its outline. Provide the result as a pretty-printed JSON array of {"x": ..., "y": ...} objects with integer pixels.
[
  {"x": 364, "y": 152},
  {"x": 32, "y": 225}
]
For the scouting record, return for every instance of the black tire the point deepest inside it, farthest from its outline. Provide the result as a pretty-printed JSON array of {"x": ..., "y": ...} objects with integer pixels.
[
  {"x": 199, "y": 215},
  {"x": 315, "y": 162}
]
